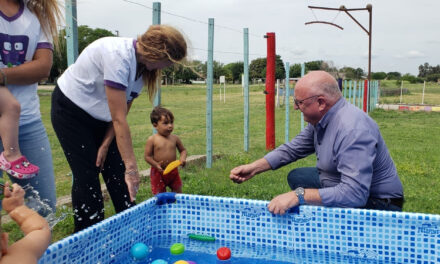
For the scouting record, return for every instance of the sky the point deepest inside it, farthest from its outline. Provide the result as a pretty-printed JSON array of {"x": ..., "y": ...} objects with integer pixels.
[{"x": 405, "y": 33}]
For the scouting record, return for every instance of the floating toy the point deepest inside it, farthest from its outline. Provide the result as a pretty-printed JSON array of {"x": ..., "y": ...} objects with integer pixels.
[
  {"x": 201, "y": 237},
  {"x": 159, "y": 261},
  {"x": 177, "y": 249},
  {"x": 139, "y": 251},
  {"x": 181, "y": 262},
  {"x": 223, "y": 253},
  {"x": 171, "y": 166},
  {"x": 191, "y": 262}
]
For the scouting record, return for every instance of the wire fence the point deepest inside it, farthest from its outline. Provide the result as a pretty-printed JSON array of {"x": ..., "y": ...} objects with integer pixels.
[{"x": 405, "y": 93}]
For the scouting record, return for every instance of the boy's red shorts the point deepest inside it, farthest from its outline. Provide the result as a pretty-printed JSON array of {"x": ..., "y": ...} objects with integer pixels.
[{"x": 159, "y": 182}]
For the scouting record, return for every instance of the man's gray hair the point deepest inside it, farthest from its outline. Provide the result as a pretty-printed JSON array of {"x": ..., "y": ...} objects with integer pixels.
[{"x": 331, "y": 89}]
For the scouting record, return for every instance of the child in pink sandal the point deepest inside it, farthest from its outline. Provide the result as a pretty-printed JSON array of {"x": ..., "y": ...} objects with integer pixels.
[{"x": 11, "y": 159}]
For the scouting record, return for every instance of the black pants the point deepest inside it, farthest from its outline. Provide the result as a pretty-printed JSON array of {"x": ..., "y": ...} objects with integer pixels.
[{"x": 80, "y": 136}]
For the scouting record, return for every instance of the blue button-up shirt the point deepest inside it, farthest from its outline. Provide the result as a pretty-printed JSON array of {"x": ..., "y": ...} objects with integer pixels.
[{"x": 352, "y": 159}]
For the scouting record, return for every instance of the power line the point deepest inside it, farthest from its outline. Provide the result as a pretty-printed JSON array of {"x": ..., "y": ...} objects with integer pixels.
[
  {"x": 204, "y": 23},
  {"x": 229, "y": 52},
  {"x": 192, "y": 19}
]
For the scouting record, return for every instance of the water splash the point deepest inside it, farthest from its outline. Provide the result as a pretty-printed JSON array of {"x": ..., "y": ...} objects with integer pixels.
[
  {"x": 42, "y": 206},
  {"x": 93, "y": 216},
  {"x": 53, "y": 220}
]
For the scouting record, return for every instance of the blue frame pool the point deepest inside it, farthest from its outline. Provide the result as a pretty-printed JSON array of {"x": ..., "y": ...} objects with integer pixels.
[{"x": 309, "y": 234}]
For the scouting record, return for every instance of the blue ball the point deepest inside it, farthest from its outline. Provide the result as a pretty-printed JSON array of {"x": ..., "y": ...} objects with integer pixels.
[
  {"x": 159, "y": 261},
  {"x": 139, "y": 251}
]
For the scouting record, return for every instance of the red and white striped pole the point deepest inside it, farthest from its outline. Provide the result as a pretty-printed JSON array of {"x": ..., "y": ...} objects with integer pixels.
[{"x": 270, "y": 91}]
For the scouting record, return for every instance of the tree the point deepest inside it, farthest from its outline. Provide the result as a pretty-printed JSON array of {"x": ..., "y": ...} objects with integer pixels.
[
  {"x": 313, "y": 65},
  {"x": 86, "y": 36},
  {"x": 378, "y": 75},
  {"x": 352, "y": 73},
  {"x": 424, "y": 70},
  {"x": 318, "y": 65},
  {"x": 410, "y": 78},
  {"x": 218, "y": 70},
  {"x": 295, "y": 70},
  {"x": 433, "y": 77},
  {"x": 234, "y": 71},
  {"x": 280, "y": 72},
  {"x": 185, "y": 73},
  {"x": 359, "y": 73},
  {"x": 257, "y": 68},
  {"x": 329, "y": 66},
  {"x": 59, "y": 58},
  {"x": 394, "y": 76}
]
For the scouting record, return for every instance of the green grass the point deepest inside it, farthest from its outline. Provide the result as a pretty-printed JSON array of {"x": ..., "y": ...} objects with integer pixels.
[
  {"x": 414, "y": 94},
  {"x": 412, "y": 139}
]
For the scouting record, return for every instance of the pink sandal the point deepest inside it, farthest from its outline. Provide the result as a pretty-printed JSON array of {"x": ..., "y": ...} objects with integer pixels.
[{"x": 20, "y": 168}]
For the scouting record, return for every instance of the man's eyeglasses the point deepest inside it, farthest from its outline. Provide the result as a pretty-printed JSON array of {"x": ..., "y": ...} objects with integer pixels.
[{"x": 300, "y": 102}]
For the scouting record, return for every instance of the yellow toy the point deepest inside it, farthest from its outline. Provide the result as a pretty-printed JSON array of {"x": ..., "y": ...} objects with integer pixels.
[{"x": 171, "y": 166}]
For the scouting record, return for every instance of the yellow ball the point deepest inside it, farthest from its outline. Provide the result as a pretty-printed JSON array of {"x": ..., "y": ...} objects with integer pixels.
[{"x": 181, "y": 262}]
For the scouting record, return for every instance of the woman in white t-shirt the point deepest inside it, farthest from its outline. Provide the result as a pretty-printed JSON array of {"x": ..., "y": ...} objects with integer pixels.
[
  {"x": 89, "y": 108},
  {"x": 27, "y": 28}
]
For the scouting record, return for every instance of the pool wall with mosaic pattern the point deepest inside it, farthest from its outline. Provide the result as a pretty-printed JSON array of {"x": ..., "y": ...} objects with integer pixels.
[{"x": 348, "y": 235}]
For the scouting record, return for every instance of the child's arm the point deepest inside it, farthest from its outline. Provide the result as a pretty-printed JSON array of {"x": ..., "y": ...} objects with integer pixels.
[
  {"x": 148, "y": 155},
  {"x": 36, "y": 229},
  {"x": 182, "y": 151}
]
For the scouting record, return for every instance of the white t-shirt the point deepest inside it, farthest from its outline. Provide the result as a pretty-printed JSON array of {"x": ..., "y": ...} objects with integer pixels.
[
  {"x": 20, "y": 36},
  {"x": 109, "y": 61}
]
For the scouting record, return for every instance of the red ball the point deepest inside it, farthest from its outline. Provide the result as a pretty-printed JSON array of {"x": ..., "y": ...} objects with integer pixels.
[{"x": 223, "y": 253}]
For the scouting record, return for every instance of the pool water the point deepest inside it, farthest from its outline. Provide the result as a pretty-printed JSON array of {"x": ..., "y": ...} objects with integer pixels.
[{"x": 205, "y": 253}]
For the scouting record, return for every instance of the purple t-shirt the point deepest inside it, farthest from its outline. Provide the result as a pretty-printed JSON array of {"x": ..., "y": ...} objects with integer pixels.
[{"x": 352, "y": 159}]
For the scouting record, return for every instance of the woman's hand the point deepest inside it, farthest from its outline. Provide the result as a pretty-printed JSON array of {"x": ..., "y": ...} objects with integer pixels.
[
  {"x": 101, "y": 156},
  {"x": 118, "y": 109},
  {"x": 132, "y": 179}
]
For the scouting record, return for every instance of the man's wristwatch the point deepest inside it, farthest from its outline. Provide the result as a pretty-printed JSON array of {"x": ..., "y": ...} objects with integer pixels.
[{"x": 300, "y": 194}]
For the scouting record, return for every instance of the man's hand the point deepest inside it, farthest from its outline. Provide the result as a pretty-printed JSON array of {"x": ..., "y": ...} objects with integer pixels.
[
  {"x": 245, "y": 172},
  {"x": 283, "y": 202},
  {"x": 242, "y": 173}
]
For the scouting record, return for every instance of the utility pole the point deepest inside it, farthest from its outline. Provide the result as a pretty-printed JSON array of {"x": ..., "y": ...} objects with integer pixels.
[{"x": 368, "y": 8}]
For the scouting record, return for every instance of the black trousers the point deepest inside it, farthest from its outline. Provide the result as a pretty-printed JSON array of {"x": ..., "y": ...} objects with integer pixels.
[{"x": 80, "y": 136}]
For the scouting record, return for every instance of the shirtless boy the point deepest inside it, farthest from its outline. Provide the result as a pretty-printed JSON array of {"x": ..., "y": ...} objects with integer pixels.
[{"x": 160, "y": 150}]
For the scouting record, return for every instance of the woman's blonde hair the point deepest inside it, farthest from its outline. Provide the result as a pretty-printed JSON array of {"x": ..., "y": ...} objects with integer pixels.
[
  {"x": 159, "y": 43},
  {"x": 49, "y": 14}
]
